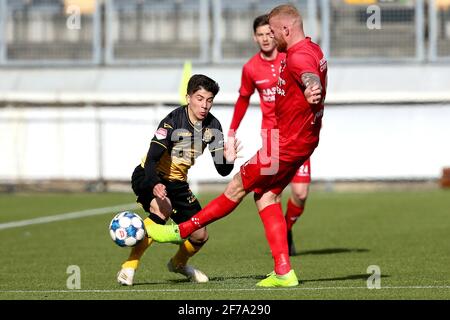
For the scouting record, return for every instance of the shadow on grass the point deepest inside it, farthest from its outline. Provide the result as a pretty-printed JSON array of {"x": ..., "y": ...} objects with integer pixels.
[
  {"x": 301, "y": 253},
  {"x": 212, "y": 279},
  {"x": 330, "y": 251},
  {"x": 364, "y": 277},
  {"x": 250, "y": 276}
]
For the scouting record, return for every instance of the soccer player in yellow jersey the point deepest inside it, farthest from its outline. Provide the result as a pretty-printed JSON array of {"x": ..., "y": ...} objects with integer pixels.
[{"x": 160, "y": 181}]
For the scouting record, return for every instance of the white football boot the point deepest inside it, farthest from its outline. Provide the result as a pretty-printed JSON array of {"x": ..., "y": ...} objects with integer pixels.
[
  {"x": 189, "y": 272},
  {"x": 125, "y": 276}
]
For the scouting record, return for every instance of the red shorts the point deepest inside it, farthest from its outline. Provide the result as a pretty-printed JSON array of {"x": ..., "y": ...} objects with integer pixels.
[
  {"x": 261, "y": 173},
  {"x": 303, "y": 174}
]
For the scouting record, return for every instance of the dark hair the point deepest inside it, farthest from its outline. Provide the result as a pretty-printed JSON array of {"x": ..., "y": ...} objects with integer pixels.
[
  {"x": 200, "y": 81},
  {"x": 260, "y": 21}
]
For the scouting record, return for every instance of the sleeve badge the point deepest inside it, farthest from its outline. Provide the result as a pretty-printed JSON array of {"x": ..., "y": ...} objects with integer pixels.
[{"x": 161, "y": 134}]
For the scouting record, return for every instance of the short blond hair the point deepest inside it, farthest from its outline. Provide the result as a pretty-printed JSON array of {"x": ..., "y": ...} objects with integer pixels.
[{"x": 287, "y": 10}]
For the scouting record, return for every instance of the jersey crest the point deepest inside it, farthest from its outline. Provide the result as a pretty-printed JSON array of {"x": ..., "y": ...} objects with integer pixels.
[{"x": 207, "y": 135}]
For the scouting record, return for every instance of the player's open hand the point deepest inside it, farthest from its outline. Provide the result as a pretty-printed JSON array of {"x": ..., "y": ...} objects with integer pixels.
[
  {"x": 231, "y": 149},
  {"x": 159, "y": 191},
  {"x": 313, "y": 94}
]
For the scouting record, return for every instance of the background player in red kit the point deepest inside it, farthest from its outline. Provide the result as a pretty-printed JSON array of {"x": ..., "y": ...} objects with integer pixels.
[
  {"x": 298, "y": 124},
  {"x": 261, "y": 73}
]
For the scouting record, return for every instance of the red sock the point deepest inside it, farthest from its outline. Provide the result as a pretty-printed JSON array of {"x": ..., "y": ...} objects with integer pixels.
[
  {"x": 276, "y": 234},
  {"x": 216, "y": 209},
  {"x": 292, "y": 213}
]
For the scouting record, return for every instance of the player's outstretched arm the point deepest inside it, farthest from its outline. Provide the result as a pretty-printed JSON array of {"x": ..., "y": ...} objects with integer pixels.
[{"x": 240, "y": 109}]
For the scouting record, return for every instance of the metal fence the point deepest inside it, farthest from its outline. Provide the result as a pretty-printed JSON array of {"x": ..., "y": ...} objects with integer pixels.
[
  {"x": 439, "y": 31},
  {"x": 47, "y": 32},
  {"x": 383, "y": 31},
  {"x": 233, "y": 25},
  {"x": 112, "y": 32},
  {"x": 155, "y": 31}
]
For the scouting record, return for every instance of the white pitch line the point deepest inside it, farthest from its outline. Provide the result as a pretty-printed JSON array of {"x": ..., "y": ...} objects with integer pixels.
[
  {"x": 218, "y": 290},
  {"x": 67, "y": 216}
]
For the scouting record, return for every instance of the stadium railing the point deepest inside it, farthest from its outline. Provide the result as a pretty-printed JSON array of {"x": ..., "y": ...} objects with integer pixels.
[
  {"x": 150, "y": 32},
  {"x": 48, "y": 33}
]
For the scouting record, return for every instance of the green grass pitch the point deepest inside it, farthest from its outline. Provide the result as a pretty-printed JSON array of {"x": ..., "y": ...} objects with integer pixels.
[{"x": 406, "y": 234}]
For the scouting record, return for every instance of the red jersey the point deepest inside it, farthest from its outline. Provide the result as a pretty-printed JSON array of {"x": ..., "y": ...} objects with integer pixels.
[
  {"x": 298, "y": 121},
  {"x": 262, "y": 75}
]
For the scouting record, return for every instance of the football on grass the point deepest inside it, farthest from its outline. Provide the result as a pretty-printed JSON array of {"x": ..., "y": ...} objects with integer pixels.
[{"x": 127, "y": 229}]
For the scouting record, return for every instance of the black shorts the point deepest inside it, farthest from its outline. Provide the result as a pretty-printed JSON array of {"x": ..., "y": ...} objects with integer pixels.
[{"x": 184, "y": 202}]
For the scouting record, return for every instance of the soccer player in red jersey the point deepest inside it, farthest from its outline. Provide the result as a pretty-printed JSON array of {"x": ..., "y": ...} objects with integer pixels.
[
  {"x": 261, "y": 73},
  {"x": 292, "y": 142}
]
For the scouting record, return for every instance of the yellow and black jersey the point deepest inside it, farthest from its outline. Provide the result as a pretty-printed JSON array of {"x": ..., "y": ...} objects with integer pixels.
[{"x": 178, "y": 142}]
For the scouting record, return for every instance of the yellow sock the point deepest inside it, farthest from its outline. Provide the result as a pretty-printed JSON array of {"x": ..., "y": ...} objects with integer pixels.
[
  {"x": 185, "y": 251},
  {"x": 138, "y": 250}
]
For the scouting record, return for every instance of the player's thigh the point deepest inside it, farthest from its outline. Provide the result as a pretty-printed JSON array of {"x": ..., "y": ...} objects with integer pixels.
[
  {"x": 235, "y": 189},
  {"x": 184, "y": 203},
  {"x": 303, "y": 174},
  {"x": 151, "y": 204},
  {"x": 162, "y": 208},
  {"x": 253, "y": 174}
]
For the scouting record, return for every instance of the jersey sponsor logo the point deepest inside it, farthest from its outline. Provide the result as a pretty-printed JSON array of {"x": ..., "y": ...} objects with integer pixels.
[
  {"x": 281, "y": 92},
  {"x": 281, "y": 82},
  {"x": 161, "y": 133},
  {"x": 182, "y": 133},
  {"x": 282, "y": 65},
  {"x": 269, "y": 98},
  {"x": 261, "y": 81},
  {"x": 268, "y": 94},
  {"x": 167, "y": 126}
]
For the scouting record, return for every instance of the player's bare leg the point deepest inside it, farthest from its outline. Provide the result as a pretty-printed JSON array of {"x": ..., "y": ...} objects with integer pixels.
[{"x": 295, "y": 208}]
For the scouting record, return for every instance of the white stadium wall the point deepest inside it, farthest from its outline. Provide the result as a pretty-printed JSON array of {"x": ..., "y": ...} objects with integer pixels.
[
  {"x": 381, "y": 121},
  {"x": 357, "y": 142}
]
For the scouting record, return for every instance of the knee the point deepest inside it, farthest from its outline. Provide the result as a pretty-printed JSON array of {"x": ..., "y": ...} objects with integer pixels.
[
  {"x": 199, "y": 237},
  {"x": 301, "y": 196},
  {"x": 264, "y": 200},
  {"x": 300, "y": 193}
]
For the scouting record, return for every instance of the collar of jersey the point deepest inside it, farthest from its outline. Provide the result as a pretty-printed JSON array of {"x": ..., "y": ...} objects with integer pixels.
[
  {"x": 299, "y": 44},
  {"x": 190, "y": 122}
]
